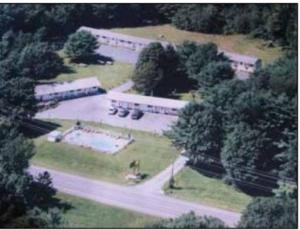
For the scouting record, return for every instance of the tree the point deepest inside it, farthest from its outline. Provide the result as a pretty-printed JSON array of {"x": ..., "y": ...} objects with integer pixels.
[
  {"x": 16, "y": 92},
  {"x": 198, "y": 131},
  {"x": 81, "y": 46},
  {"x": 38, "y": 61},
  {"x": 214, "y": 73},
  {"x": 190, "y": 220},
  {"x": 149, "y": 70},
  {"x": 147, "y": 77},
  {"x": 270, "y": 213},
  {"x": 204, "y": 54},
  {"x": 24, "y": 202}
]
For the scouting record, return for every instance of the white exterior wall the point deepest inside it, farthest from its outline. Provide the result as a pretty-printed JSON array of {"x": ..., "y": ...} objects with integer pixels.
[
  {"x": 67, "y": 94},
  {"x": 143, "y": 107}
]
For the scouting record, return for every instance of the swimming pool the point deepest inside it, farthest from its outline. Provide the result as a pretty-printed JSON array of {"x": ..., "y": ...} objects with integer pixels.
[{"x": 97, "y": 141}]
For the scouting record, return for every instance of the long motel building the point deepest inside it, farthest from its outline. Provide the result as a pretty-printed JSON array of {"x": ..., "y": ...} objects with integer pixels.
[
  {"x": 67, "y": 90},
  {"x": 239, "y": 62},
  {"x": 110, "y": 38},
  {"x": 145, "y": 103}
]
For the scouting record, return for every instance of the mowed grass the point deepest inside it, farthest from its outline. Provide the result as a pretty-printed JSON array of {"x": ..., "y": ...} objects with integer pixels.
[
  {"x": 193, "y": 186},
  {"x": 88, "y": 214},
  {"x": 234, "y": 43},
  {"x": 154, "y": 152},
  {"x": 109, "y": 76}
]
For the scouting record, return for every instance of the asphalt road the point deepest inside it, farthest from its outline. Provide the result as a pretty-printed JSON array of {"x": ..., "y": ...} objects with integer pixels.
[{"x": 132, "y": 198}]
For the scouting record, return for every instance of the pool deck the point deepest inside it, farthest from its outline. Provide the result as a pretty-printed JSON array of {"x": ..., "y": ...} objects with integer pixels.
[{"x": 97, "y": 140}]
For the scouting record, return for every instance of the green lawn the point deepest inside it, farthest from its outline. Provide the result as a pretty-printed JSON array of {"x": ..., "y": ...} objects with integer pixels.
[
  {"x": 193, "y": 186},
  {"x": 235, "y": 43},
  {"x": 109, "y": 75},
  {"x": 88, "y": 214},
  {"x": 154, "y": 152}
]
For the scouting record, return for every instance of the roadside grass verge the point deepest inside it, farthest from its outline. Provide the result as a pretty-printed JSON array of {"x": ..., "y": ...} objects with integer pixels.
[
  {"x": 109, "y": 76},
  {"x": 234, "y": 43},
  {"x": 154, "y": 152},
  {"x": 192, "y": 186},
  {"x": 89, "y": 214}
]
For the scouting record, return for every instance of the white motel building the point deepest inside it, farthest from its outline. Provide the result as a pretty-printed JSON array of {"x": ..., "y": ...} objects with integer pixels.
[
  {"x": 67, "y": 90},
  {"x": 238, "y": 62},
  {"x": 145, "y": 103}
]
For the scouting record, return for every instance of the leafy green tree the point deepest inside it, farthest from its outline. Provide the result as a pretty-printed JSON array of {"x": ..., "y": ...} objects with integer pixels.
[
  {"x": 270, "y": 213},
  {"x": 16, "y": 92},
  {"x": 39, "y": 61},
  {"x": 214, "y": 73},
  {"x": 23, "y": 199},
  {"x": 198, "y": 131},
  {"x": 81, "y": 46},
  {"x": 204, "y": 18},
  {"x": 203, "y": 55},
  {"x": 190, "y": 220},
  {"x": 150, "y": 69}
]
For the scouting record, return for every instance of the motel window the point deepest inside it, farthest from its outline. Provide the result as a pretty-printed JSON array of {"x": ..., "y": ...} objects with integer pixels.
[
  {"x": 97, "y": 36},
  {"x": 136, "y": 104},
  {"x": 175, "y": 110},
  {"x": 113, "y": 101},
  {"x": 150, "y": 106}
]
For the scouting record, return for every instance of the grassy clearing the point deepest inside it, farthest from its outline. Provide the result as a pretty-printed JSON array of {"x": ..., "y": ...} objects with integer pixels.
[
  {"x": 109, "y": 75},
  {"x": 193, "y": 186},
  {"x": 154, "y": 152},
  {"x": 88, "y": 214},
  {"x": 235, "y": 43}
]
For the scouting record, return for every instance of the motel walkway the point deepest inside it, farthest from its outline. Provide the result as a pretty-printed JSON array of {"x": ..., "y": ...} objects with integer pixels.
[{"x": 131, "y": 198}]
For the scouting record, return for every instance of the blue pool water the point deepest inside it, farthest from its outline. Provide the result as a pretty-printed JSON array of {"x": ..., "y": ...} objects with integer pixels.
[{"x": 103, "y": 145}]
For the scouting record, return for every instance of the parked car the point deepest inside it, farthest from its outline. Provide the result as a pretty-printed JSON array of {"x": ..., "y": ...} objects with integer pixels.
[
  {"x": 123, "y": 112},
  {"x": 112, "y": 111},
  {"x": 136, "y": 114}
]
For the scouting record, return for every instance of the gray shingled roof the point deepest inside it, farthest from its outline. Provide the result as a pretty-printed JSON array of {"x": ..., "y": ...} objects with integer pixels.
[
  {"x": 44, "y": 89},
  {"x": 120, "y": 36},
  {"x": 147, "y": 100}
]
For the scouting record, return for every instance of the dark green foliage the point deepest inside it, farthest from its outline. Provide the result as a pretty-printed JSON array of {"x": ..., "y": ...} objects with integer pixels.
[
  {"x": 81, "y": 46},
  {"x": 24, "y": 202},
  {"x": 203, "y": 55},
  {"x": 158, "y": 71},
  {"x": 149, "y": 70},
  {"x": 190, "y": 220},
  {"x": 255, "y": 126},
  {"x": 214, "y": 73},
  {"x": 260, "y": 20},
  {"x": 199, "y": 131},
  {"x": 270, "y": 213},
  {"x": 199, "y": 17},
  {"x": 39, "y": 61}
]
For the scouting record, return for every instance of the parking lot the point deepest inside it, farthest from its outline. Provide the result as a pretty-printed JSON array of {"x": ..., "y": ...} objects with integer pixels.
[
  {"x": 118, "y": 53},
  {"x": 95, "y": 108}
]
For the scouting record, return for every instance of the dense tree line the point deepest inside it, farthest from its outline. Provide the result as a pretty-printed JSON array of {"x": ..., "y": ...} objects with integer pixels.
[
  {"x": 249, "y": 128},
  {"x": 260, "y": 20},
  {"x": 25, "y": 202},
  {"x": 58, "y": 20}
]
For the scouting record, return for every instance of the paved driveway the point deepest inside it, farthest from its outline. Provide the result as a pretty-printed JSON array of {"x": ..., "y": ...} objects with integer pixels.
[
  {"x": 95, "y": 108},
  {"x": 131, "y": 198}
]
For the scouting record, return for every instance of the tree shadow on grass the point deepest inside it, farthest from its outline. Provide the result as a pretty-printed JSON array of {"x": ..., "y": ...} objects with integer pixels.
[
  {"x": 96, "y": 59},
  {"x": 33, "y": 128}
]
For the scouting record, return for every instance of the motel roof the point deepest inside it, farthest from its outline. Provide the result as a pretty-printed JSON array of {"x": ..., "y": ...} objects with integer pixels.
[
  {"x": 147, "y": 100},
  {"x": 240, "y": 57},
  {"x": 120, "y": 36},
  {"x": 44, "y": 89}
]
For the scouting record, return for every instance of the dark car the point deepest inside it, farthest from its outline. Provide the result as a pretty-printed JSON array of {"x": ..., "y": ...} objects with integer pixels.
[
  {"x": 123, "y": 112},
  {"x": 112, "y": 111},
  {"x": 136, "y": 114}
]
